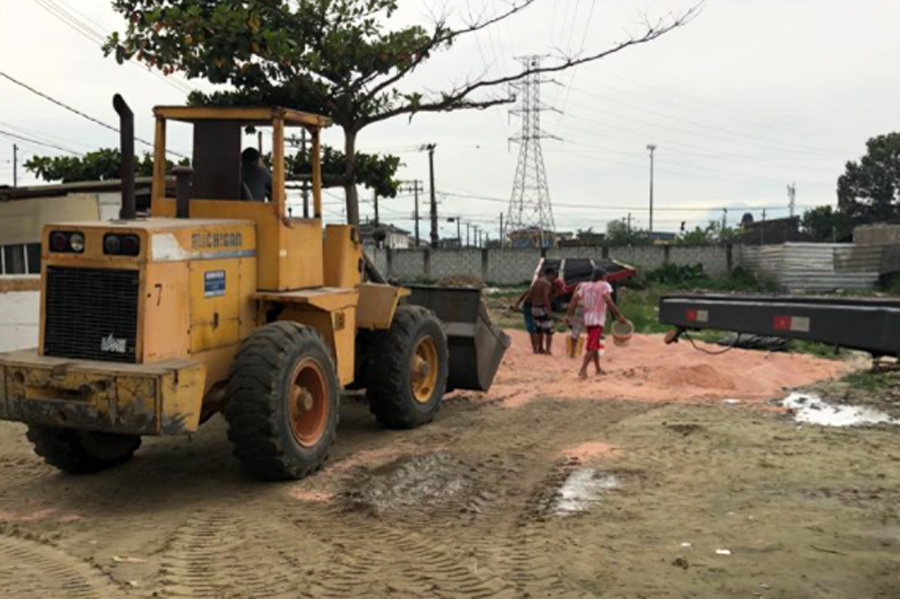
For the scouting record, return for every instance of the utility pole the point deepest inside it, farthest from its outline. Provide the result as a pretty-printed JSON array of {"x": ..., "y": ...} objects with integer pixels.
[
  {"x": 652, "y": 148},
  {"x": 15, "y": 165},
  {"x": 375, "y": 200},
  {"x": 476, "y": 235},
  {"x": 434, "y": 214},
  {"x": 415, "y": 186},
  {"x": 459, "y": 230},
  {"x": 305, "y": 184},
  {"x": 762, "y": 229},
  {"x": 792, "y": 197},
  {"x": 724, "y": 219},
  {"x": 628, "y": 228},
  {"x": 501, "y": 230},
  {"x": 468, "y": 227}
]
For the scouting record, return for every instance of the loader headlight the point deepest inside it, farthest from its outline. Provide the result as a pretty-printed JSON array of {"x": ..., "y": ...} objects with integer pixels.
[
  {"x": 66, "y": 242},
  {"x": 121, "y": 245},
  {"x": 76, "y": 242}
]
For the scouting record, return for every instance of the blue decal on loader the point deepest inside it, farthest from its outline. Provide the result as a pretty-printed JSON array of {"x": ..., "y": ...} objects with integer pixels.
[{"x": 214, "y": 283}]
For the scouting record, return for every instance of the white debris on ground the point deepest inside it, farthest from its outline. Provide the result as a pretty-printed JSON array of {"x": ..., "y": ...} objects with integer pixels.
[
  {"x": 582, "y": 488},
  {"x": 812, "y": 409},
  {"x": 492, "y": 290}
]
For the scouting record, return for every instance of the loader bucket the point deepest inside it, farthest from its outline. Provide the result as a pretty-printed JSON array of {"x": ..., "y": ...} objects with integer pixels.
[{"x": 476, "y": 344}]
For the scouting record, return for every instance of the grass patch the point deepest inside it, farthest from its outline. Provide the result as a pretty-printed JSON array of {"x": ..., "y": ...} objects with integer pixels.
[{"x": 865, "y": 380}]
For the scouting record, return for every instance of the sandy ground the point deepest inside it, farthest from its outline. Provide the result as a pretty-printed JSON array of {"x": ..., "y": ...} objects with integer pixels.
[
  {"x": 648, "y": 370},
  {"x": 505, "y": 496}
]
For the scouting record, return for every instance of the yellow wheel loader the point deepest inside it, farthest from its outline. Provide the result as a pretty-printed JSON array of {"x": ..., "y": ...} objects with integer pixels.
[{"x": 220, "y": 300}]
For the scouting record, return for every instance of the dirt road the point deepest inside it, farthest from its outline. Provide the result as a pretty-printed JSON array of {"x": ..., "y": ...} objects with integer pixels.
[{"x": 603, "y": 498}]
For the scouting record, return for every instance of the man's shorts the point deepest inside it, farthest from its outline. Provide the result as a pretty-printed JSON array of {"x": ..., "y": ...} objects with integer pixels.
[
  {"x": 594, "y": 333},
  {"x": 529, "y": 319},
  {"x": 542, "y": 320}
]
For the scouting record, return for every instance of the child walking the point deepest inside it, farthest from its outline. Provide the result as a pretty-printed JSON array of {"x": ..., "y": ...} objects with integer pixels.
[{"x": 595, "y": 296}]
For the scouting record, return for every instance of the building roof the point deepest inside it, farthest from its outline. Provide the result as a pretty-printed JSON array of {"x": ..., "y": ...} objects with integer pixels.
[
  {"x": 62, "y": 189},
  {"x": 367, "y": 229}
]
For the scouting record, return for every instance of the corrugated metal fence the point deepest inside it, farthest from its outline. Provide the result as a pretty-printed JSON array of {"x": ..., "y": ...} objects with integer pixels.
[{"x": 815, "y": 266}]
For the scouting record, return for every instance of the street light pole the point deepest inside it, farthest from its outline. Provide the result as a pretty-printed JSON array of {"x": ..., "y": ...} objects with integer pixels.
[{"x": 652, "y": 148}]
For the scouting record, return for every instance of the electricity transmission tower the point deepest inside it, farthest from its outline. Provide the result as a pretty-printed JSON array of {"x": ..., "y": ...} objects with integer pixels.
[{"x": 530, "y": 213}]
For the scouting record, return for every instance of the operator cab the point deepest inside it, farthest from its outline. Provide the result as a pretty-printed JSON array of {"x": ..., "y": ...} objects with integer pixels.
[{"x": 289, "y": 249}]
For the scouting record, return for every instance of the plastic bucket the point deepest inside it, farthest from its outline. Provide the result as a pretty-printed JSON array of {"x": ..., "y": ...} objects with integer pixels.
[{"x": 622, "y": 332}]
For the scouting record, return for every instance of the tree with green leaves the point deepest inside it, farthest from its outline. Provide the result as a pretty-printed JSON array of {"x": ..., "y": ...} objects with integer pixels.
[
  {"x": 869, "y": 190},
  {"x": 712, "y": 233},
  {"x": 377, "y": 172},
  {"x": 346, "y": 59},
  {"x": 824, "y": 223},
  {"x": 100, "y": 165},
  {"x": 619, "y": 233}
]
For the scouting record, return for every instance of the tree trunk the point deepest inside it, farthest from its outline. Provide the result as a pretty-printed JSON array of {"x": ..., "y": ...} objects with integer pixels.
[{"x": 352, "y": 197}]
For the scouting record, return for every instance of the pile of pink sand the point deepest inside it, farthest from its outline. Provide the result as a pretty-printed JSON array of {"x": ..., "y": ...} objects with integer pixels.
[{"x": 648, "y": 370}]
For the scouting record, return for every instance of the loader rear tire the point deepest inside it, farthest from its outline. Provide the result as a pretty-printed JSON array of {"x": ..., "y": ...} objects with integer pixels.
[
  {"x": 408, "y": 369},
  {"x": 282, "y": 402},
  {"x": 81, "y": 452}
]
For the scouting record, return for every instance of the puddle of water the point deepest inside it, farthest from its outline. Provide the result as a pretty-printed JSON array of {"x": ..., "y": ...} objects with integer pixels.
[
  {"x": 582, "y": 488},
  {"x": 812, "y": 409}
]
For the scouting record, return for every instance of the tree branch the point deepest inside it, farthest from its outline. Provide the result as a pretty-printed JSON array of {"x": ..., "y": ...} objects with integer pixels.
[
  {"x": 440, "y": 37},
  {"x": 456, "y": 99}
]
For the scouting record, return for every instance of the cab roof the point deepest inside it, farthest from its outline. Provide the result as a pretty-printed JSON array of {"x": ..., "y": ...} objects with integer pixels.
[{"x": 244, "y": 116}]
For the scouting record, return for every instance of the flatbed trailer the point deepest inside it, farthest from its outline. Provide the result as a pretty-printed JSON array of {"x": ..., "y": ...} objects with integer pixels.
[{"x": 865, "y": 324}]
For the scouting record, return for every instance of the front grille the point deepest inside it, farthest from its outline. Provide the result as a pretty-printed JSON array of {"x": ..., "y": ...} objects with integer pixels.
[{"x": 91, "y": 314}]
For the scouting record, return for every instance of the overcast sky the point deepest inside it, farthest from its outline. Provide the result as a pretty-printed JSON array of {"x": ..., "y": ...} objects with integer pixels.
[{"x": 751, "y": 96}]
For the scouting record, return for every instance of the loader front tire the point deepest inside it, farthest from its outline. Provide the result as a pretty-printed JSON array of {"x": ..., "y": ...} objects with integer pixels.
[
  {"x": 282, "y": 402},
  {"x": 81, "y": 452},
  {"x": 408, "y": 367}
]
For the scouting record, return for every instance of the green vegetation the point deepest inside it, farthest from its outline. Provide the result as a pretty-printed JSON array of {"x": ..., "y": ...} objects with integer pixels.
[{"x": 864, "y": 380}]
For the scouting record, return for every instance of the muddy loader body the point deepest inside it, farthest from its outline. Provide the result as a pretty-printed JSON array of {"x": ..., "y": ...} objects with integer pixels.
[{"x": 220, "y": 302}]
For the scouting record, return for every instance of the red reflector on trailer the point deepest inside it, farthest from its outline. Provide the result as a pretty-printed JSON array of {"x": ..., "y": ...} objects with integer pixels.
[
  {"x": 692, "y": 315},
  {"x": 782, "y": 323}
]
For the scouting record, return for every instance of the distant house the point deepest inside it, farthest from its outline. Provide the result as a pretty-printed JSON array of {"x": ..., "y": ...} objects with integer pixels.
[
  {"x": 776, "y": 230},
  {"x": 451, "y": 243},
  {"x": 661, "y": 237},
  {"x": 384, "y": 235},
  {"x": 25, "y": 210},
  {"x": 533, "y": 237}
]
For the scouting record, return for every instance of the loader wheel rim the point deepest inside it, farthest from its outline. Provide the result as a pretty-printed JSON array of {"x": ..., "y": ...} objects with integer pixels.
[
  {"x": 309, "y": 405},
  {"x": 423, "y": 371}
]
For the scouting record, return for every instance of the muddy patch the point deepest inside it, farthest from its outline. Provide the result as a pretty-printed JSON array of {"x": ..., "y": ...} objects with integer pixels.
[
  {"x": 435, "y": 480},
  {"x": 572, "y": 488},
  {"x": 812, "y": 409},
  {"x": 582, "y": 489}
]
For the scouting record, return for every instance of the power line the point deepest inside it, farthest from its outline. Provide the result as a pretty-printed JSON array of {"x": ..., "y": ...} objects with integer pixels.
[
  {"x": 688, "y": 121},
  {"x": 78, "y": 112},
  {"x": 33, "y": 141},
  {"x": 98, "y": 36},
  {"x": 622, "y": 208}
]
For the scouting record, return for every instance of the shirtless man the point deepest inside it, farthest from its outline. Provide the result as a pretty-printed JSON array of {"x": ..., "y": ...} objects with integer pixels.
[
  {"x": 595, "y": 296},
  {"x": 540, "y": 296}
]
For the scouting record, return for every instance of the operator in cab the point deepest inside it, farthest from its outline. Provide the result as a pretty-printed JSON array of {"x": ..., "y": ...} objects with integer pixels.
[{"x": 256, "y": 180}]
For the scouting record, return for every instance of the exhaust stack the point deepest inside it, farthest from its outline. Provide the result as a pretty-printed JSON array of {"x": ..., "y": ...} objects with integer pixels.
[{"x": 126, "y": 145}]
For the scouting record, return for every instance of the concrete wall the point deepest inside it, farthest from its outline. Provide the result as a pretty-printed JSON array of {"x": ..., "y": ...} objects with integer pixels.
[
  {"x": 876, "y": 234},
  {"x": 512, "y": 266},
  {"x": 19, "y": 313}
]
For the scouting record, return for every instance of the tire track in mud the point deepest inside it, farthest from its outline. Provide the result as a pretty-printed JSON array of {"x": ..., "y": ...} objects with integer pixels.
[
  {"x": 394, "y": 559},
  {"x": 33, "y": 569},
  {"x": 221, "y": 555}
]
